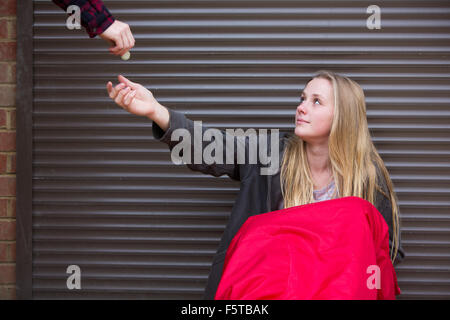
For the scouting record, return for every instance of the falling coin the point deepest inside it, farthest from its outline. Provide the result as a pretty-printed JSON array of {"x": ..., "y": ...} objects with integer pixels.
[{"x": 126, "y": 56}]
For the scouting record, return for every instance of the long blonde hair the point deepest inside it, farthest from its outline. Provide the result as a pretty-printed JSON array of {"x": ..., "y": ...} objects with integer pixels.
[{"x": 353, "y": 157}]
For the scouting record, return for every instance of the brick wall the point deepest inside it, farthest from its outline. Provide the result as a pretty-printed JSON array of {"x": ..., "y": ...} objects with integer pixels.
[{"x": 7, "y": 149}]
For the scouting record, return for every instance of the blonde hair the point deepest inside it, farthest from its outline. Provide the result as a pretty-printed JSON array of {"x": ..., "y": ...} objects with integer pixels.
[{"x": 353, "y": 157}]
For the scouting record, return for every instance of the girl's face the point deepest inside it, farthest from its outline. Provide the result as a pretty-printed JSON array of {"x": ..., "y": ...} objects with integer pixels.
[{"x": 316, "y": 108}]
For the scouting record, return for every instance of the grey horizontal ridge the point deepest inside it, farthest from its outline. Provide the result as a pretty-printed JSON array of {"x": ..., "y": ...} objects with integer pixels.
[
  {"x": 424, "y": 204},
  {"x": 416, "y": 295},
  {"x": 128, "y": 239},
  {"x": 249, "y": 99},
  {"x": 282, "y": 22},
  {"x": 430, "y": 256},
  {"x": 132, "y": 264},
  {"x": 122, "y": 290},
  {"x": 430, "y": 114},
  {"x": 410, "y": 76},
  {"x": 433, "y": 230},
  {"x": 412, "y": 140},
  {"x": 67, "y": 212},
  {"x": 425, "y": 281},
  {"x": 138, "y": 176},
  {"x": 148, "y": 163},
  {"x": 134, "y": 138},
  {"x": 63, "y": 213},
  {"x": 121, "y": 277},
  {"x": 141, "y": 201},
  {"x": 134, "y": 252},
  {"x": 152, "y": 152},
  {"x": 426, "y": 217},
  {"x": 244, "y": 87},
  {"x": 439, "y": 153},
  {"x": 125, "y": 226},
  {"x": 422, "y": 269},
  {"x": 45, "y": 183},
  {"x": 189, "y": 189},
  {"x": 98, "y": 125},
  {"x": 160, "y": 187},
  {"x": 134, "y": 176},
  {"x": 416, "y": 164},
  {"x": 262, "y": 35},
  {"x": 425, "y": 190},
  {"x": 250, "y": 62},
  {"x": 101, "y": 125},
  {"x": 248, "y": 49},
  {"x": 336, "y": 11},
  {"x": 426, "y": 243}
]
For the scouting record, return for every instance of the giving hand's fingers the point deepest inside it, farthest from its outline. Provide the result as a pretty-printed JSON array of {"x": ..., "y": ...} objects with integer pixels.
[
  {"x": 126, "y": 45},
  {"x": 118, "y": 45},
  {"x": 130, "y": 39}
]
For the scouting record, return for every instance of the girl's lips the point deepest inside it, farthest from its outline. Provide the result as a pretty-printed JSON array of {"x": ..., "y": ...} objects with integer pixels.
[{"x": 299, "y": 121}]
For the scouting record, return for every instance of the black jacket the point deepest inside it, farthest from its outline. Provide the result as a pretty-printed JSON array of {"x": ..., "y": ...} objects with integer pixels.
[{"x": 258, "y": 193}]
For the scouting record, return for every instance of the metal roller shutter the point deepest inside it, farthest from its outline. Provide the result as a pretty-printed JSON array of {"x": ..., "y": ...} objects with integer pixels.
[{"x": 107, "y": 197}]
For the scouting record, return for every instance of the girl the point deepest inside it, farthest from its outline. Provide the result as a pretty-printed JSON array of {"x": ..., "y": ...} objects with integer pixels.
[{"x": 329, "y": 155}]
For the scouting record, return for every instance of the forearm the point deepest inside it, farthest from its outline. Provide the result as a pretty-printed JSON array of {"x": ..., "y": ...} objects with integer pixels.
[
  {"x": 95, "y": 17},
  {"x": 174, "y": 120},
  {"x": 100, "y": 18},
  {"x": 161, "y": 117}
]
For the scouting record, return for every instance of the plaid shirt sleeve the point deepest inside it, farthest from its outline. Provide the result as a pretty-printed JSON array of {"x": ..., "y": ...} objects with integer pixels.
[{"x": 95, "y": 17}]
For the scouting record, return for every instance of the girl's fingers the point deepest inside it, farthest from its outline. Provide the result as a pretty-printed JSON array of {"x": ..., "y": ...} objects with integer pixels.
[
  {"x": 129, "y": 97},
  {"x": 110, "y": 89},
  {"x": 121, "y": 94},
  {"x": 120, "y": 86},
  {"x": 116, "y": 90},
  {"x": 126, "y": 96},
  {"x": 127, "y": 82}
]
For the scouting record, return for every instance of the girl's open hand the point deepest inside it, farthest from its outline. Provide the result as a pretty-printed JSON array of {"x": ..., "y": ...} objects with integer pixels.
[{"x": 133, "y": 97}]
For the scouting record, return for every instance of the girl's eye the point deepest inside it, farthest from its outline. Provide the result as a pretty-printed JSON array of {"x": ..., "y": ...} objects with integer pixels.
[{"x": 302, "y": 99}]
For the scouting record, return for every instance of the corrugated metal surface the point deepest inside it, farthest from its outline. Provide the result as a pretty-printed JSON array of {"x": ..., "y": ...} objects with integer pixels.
[{"x": 106, "y": 196}]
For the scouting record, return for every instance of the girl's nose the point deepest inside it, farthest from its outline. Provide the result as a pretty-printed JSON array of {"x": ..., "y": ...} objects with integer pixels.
[{"x": 301, "y": 107}]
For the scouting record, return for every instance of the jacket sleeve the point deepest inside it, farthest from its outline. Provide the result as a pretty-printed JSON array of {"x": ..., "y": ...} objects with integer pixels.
[
  {"x": 384, "y": 206},
  {"x": 194, "y": 159},
  {"x": 95, "y": 17}
]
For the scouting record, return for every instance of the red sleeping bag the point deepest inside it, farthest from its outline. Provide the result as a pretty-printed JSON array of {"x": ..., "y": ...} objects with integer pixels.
[{"x": 335, "y": 249}]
